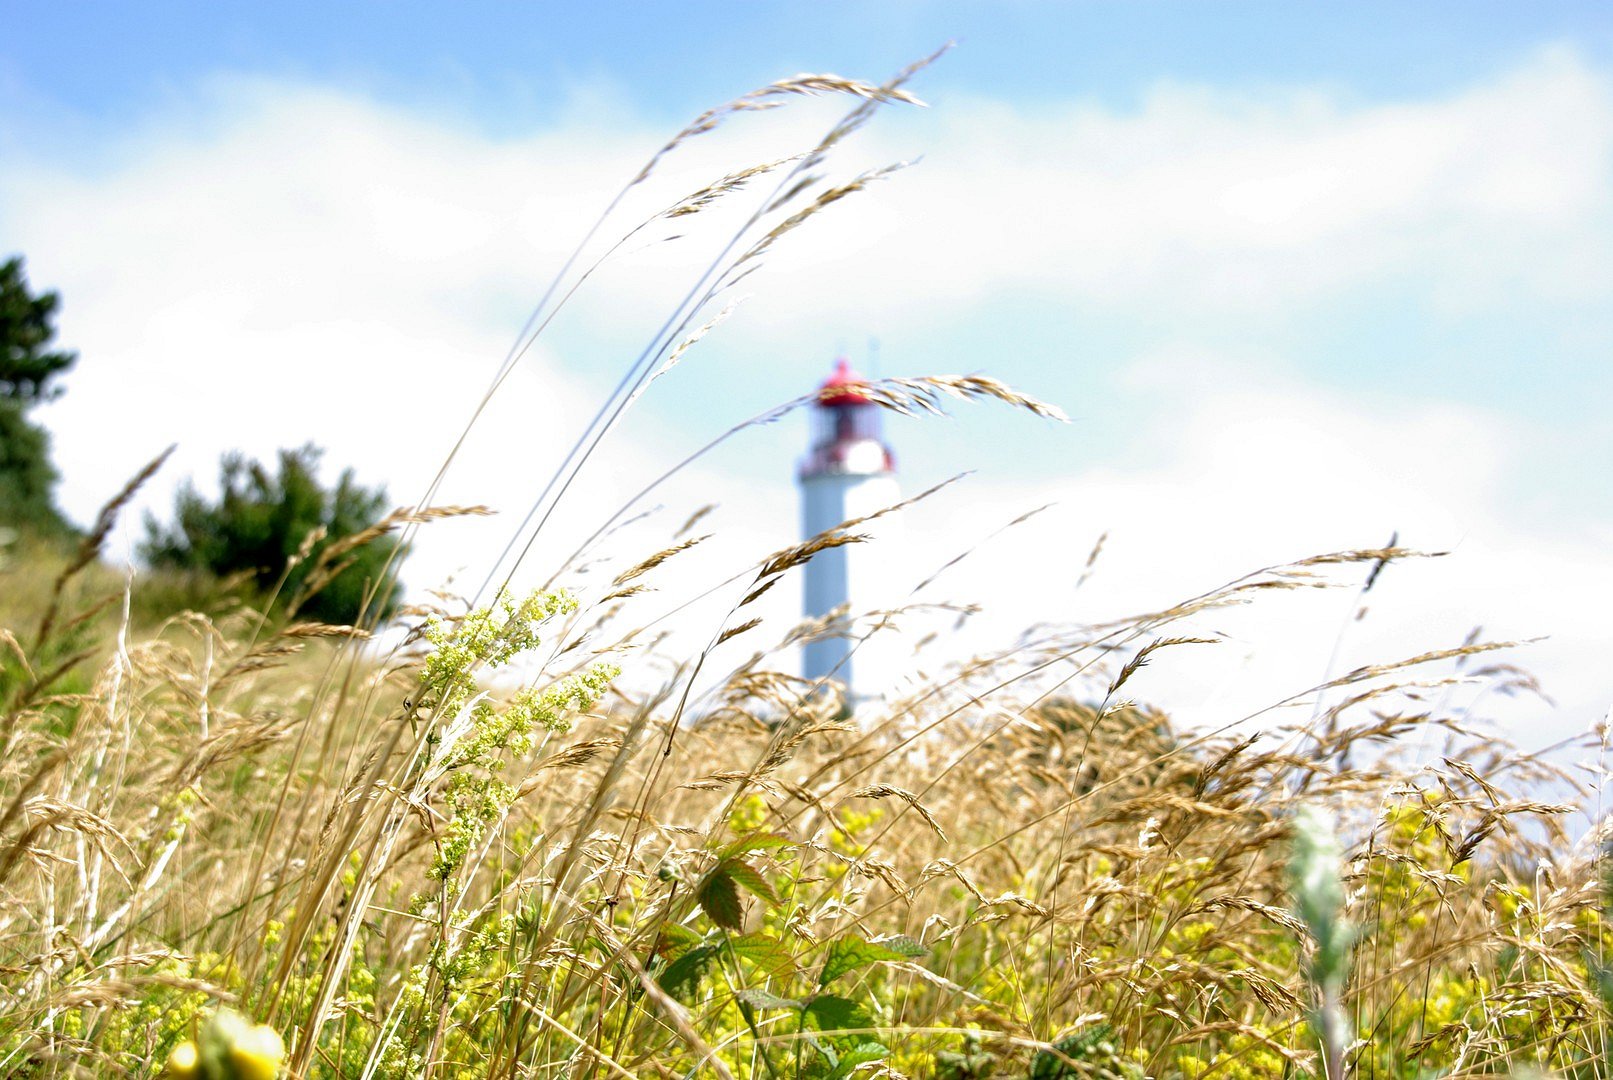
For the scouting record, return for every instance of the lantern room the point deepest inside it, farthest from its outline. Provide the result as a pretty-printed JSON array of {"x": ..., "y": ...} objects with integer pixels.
[{"x": 846, "y": 435}]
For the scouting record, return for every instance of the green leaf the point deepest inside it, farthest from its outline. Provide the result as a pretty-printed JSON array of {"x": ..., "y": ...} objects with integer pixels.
[
  {"x": 832, "y": 1014},
  {"x": 1076, "y": 1046},
  {"x": 751, "y": 880},
  {"x": 849, "y": 953},
  {"x": 768, "y": 953},
  {"x": 861, "y": 1054},
  {"x": 951, "y": 1065},
  {"x": 901, "y": 943},
  {"x": 675, "y": 940},
  {"x": 719, "y": 899},
  {"x": 825, "y": 1051},
  {"x": 761, "y": 999},
  {"x": 755, "y": 842},
  {"x": 682, "y": 977}
]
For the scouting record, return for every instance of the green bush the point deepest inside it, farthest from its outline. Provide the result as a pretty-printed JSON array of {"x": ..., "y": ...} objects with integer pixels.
[{"x": 286, "y": 534}]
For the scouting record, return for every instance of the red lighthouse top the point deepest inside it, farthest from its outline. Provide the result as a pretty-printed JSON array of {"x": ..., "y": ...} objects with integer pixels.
[
  {"x": 846, "y": 439},
  {"x": 843, "y": 387}
]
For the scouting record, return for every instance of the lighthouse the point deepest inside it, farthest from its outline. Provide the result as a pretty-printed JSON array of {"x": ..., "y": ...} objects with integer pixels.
[{"x": 848, "y": 472}]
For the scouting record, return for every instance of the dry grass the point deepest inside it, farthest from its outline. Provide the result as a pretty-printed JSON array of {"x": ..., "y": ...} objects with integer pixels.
[{"x": 202, "y": 826}]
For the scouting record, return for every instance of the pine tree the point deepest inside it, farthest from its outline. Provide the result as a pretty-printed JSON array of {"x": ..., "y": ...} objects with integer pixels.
[{"x": 29, "y": 369}]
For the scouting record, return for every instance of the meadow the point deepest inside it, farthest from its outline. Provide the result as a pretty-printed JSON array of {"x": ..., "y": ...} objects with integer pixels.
[{"x": 505, "y": 837}]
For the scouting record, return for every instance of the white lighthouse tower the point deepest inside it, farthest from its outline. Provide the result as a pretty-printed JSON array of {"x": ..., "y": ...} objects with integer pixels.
[{"x": 848, "y": 472}]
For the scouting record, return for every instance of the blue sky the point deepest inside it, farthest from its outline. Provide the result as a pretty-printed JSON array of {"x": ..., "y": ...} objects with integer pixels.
[
  {"x": 112, "y": 59},
  {"x": 1359, "y": 256}
]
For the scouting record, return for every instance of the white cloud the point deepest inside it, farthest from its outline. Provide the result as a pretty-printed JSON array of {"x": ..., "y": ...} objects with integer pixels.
[
  {"x": 301, "y": 265},
  {"x": 1207, "y": 201}
]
